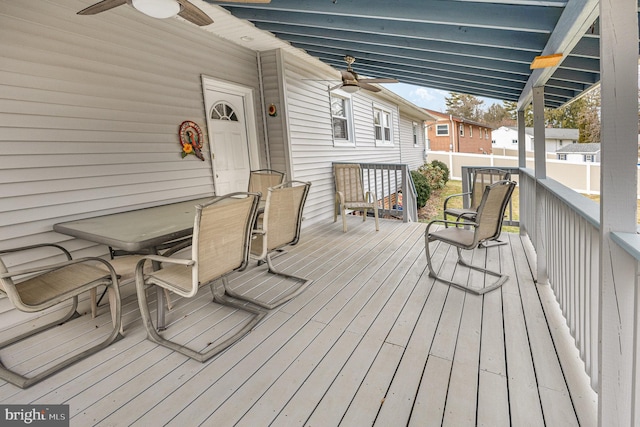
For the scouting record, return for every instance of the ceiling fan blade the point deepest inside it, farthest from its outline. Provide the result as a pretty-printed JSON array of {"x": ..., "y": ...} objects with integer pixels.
[
  {"x": 335, "y": 87},
  {"x": 367, "y": 86},
  {"x": 348, "y": 75},
  {"x": 378, "y": 81},
  {"x": 193, "y": 14},
  {"x": 102, "y": 6}
]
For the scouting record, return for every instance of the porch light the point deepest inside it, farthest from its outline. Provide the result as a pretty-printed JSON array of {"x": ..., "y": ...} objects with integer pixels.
[
  {"x": 350, "y": 88},
  {"x": 546, "y": 61},
  {"x": 160, "y": 9}
]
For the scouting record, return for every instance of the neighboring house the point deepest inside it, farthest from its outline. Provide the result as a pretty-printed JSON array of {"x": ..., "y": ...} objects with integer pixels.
[
  {"x": 585, "y": 152},
  {"x": 450, "y": 133},
  {"x": 507, "y": 137},
  {"x": 92, "y": 106}
]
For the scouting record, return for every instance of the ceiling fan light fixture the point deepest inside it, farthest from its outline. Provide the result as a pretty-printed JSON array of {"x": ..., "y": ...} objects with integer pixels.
[
  {"x": 350, "y": 87},
  {"x": 160, "y": 9}
]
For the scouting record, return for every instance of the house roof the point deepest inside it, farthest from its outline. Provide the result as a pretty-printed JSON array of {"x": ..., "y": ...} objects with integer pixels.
[
  {"x": 479, "y": 47},
  {"x": 584, "y": 148},
  {"x": 438, "y": 115},
  {"x": 552, "y": 133}
]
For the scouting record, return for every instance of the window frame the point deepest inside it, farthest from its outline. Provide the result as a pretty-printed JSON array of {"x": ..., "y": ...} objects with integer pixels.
[
  {"x": 446, "y": 126},
  {"x": 383, "y": 112},
  {"x": 416, "y": 134},
  {"x": 461, "y": 129},
  {"x": 348, "y": 118}
]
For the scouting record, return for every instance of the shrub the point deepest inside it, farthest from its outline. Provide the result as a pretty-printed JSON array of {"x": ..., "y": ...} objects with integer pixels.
[
  {"x": 423, "y": 189},
  {"x": 435, "y": 175},
  {"x": 444, "y": 168}
]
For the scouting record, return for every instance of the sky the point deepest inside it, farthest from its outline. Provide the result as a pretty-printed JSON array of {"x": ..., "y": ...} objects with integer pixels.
[{"x": 433, "y": 99}]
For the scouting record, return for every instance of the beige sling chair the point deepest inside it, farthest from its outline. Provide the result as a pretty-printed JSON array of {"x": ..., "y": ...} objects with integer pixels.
[
  {"x": 469, "y": 231},
  {"x": 350, "y": 194},
  {"x": 39, "y": 288},
  {"x": 219, "y": 246},
  {"x": 280, "y": 227},
  {"x": 260, "y": 180},
  {"x": 481, "y": 178}
]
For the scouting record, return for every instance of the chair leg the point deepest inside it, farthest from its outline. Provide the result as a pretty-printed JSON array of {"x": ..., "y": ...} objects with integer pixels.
[
  {"x": 501, "y": 279},
  {"x": 304, "y": 282},
  {"x": 344, "y": 219},
  {"x": 375, "y": 215},
  {"x": 93, "y": 293},
  {"x": 153, "y": 335},
  {"x": 24, "y": 382}
]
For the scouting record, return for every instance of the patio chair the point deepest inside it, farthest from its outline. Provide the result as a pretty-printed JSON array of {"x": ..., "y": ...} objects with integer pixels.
[
  {"x": 481, "y": 178},
  {"x": 350, "y": 193},
  {"x": 280, "y": 227},
  {"x": 469, "y": 230},
  {"x": 219, "y": 246},
  {"x": 38, "y": 288},
  {"x": 124, "y": 263},
  {"x": 260, "y": 180}
]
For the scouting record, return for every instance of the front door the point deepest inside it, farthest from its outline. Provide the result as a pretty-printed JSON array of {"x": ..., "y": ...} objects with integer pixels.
[{"x": 228, "y": 138}]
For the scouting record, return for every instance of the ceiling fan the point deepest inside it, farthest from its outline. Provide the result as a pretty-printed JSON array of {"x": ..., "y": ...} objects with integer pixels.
[
  {"x": 351, "y": 82},
  {"x": 162, "y": 8}
]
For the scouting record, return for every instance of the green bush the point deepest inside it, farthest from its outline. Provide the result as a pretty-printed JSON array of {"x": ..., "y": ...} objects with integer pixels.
[
  {"x": 435, "y": 175},
  {"x": 444, "y": 168},
  {"x": 423, "y": 189}
]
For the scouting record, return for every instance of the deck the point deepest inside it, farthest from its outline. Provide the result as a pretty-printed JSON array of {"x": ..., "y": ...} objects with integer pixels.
[{"x": 372, "y": 341}]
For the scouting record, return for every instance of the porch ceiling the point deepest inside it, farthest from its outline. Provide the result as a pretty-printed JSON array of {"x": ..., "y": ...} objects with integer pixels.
[{"x": 478, "y": 47}]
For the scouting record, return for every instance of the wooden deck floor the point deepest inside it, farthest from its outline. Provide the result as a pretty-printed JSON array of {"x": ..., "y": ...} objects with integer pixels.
[{"x": 372, "y": 341}]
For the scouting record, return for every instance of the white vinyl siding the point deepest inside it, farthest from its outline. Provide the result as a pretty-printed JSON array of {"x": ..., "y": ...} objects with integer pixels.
[{"x": 91, "y": 107}]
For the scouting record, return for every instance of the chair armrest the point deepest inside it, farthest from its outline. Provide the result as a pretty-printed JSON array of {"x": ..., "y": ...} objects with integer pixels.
[
  {"x": 453, "y": 223},
  {"x": 371, "y": 197},
  {"x": 41, "y": 245},
  {"x": 446, "y": 201},
  {"x": 52, "y": 267}
]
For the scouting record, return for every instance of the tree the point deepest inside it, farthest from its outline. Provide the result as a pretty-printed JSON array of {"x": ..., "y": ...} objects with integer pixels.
[
  {"x": 465, "y": 106},
  {"x": 512, "y": 110},
  {"x": 496, "y": 116},
  {"x": 589, "y": 119}
]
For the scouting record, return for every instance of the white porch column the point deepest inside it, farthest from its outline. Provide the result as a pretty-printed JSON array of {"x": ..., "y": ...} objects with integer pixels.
[
  {"x": 619, "y": 84},
  {"x": 522, "y": 141},
  {"x": 540, "y": 158},
  {"x": 522, "y": 156}
]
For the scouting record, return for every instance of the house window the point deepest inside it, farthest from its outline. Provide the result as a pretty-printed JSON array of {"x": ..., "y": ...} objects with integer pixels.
[
  {"x": 514, "y": 141},
  {"x": 589, "y": 158},
  {"x": 470, "y": 131},
  {"x": 493, "y": 141},
  {"x": 382, "y": 126},
  {"x": 415, "y": 134},
  {"x": 486, "y": 134},
  {"x": 442, "y": 130},
  {"x": 341, "y": 120},
  {"x": 461, "y": 130},
  {"x": 562, "y": 157}
]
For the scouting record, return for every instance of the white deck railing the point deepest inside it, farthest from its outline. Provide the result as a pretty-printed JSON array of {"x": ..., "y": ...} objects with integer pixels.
[
  {"x": 566, "y": 227},
  {"x": 394, "y": 188}
]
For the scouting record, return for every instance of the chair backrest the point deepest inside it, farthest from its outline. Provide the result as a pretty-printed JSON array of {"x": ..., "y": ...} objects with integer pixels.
[
  {"x": 482, "y": 178},
  {"x": 260, "y": 180},
  {"x": 348, "y": 181},
  {"x": 221, "y": 235},
  {"x": 491, "y": 210},
  {"x": 282, "y": 217}
]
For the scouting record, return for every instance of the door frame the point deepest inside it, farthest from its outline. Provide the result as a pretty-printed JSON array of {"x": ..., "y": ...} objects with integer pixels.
[{"x": 246, "y": 93}]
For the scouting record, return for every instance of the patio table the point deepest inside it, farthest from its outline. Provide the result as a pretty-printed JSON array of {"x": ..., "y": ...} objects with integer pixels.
[{"x": 138, "y": 231}]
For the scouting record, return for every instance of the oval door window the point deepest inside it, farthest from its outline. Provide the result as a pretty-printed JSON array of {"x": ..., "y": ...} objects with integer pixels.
[{"x": 223, "y": 111}]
